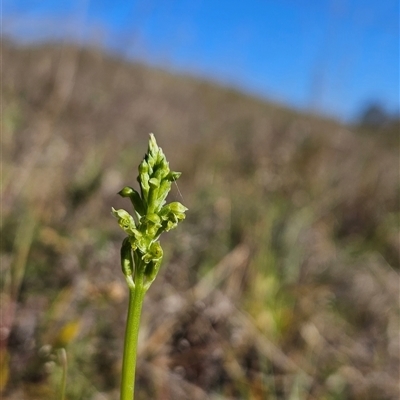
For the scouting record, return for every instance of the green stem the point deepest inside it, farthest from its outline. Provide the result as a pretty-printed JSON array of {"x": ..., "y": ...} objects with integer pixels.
[
  {"x": 136, "y": 296},
  {"x": 62, "y": 355}
]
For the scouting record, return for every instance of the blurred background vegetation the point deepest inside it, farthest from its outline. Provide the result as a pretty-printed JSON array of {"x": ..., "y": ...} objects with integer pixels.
[{"x": 283, "y": 282}]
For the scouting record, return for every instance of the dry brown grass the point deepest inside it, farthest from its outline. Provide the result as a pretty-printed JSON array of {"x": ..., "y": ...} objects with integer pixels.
[{"x": 281, "y": 284}]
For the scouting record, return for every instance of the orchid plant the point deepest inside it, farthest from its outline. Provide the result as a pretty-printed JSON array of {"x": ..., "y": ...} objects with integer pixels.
[{"x": 141, "y": 252}]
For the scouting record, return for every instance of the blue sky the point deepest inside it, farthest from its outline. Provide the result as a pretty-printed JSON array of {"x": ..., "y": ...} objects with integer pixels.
[{"x": 332, "y": 56}]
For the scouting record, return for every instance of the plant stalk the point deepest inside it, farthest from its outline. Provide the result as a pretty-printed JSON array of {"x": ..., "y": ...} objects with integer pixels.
[
  {"x": 136, "y": 296},
  {"x": 141, "y": 252},
  {"x": 62, "y": 355}
]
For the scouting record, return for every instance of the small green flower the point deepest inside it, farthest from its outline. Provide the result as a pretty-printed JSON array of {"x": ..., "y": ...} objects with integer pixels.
[
  {"x": 155, "y": 253},
  {"x": 125, "y": 221}
]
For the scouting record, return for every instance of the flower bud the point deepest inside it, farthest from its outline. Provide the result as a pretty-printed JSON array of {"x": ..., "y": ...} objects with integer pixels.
[
  {"x": 173, "y": 176},
  {"x": 134, "y": 196}
]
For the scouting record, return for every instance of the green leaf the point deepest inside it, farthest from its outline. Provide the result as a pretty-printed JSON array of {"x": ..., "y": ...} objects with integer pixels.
[{"x": 126, "y": 258}]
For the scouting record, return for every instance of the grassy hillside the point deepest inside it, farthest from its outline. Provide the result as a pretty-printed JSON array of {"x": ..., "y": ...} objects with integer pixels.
[{"x": 281, "y": 284}]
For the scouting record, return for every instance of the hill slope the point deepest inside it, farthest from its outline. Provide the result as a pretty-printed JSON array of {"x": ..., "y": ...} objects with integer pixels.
[{"x": 283, "y": 279}]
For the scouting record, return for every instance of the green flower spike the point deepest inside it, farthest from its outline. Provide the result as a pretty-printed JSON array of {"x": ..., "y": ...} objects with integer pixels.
[{"x": 141, "y": 252}]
